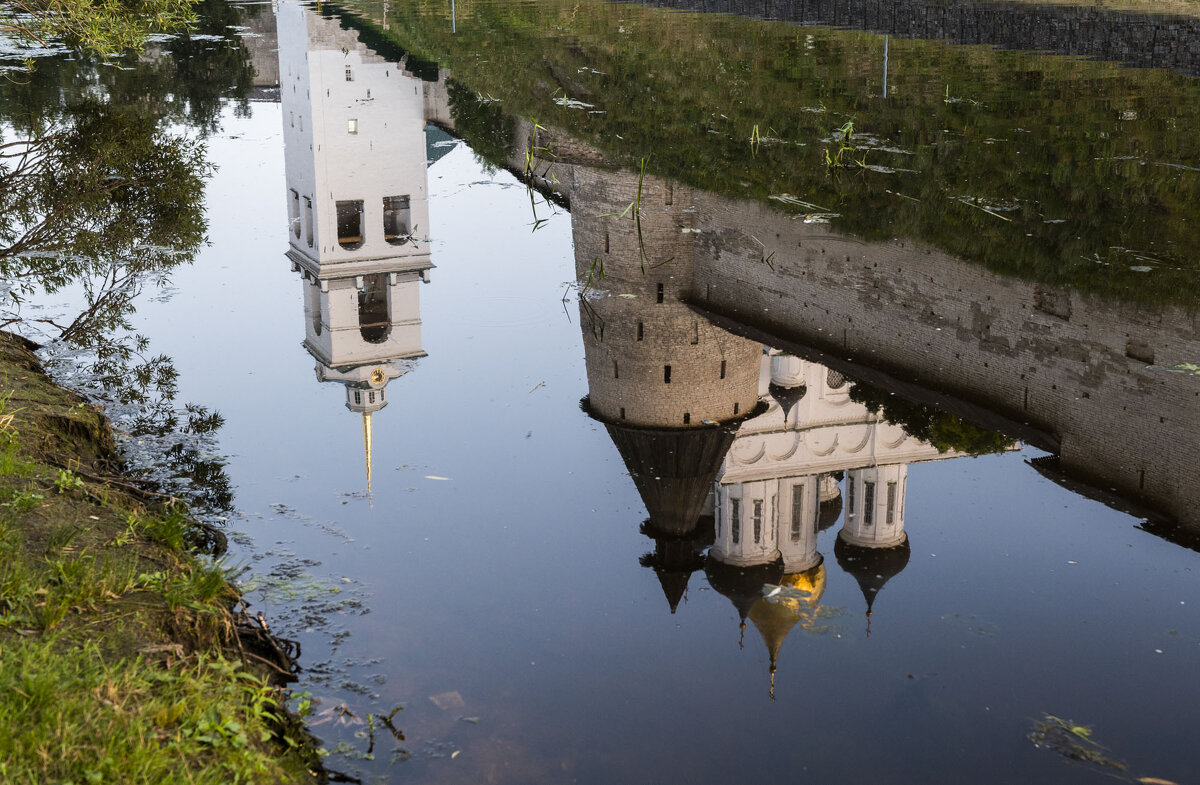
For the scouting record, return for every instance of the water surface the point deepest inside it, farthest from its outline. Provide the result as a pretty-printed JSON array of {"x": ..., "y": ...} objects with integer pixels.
[{"x": 908, "y": 392}]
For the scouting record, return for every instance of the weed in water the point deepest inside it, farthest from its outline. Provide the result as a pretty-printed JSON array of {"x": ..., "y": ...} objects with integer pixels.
[
  {"x": 1072, "y": 741},
  {"x": 843, "y": 137}
]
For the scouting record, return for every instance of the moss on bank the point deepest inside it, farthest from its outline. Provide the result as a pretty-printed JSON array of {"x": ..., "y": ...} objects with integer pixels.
[{"x": 124, "y": 659}]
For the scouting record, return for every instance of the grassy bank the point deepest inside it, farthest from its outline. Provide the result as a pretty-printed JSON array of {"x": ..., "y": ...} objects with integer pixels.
[{"x": 123, "y": 657}]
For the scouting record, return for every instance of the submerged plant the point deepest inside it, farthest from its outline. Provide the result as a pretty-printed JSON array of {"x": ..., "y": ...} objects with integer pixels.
[{"x": 842, "y": 137}]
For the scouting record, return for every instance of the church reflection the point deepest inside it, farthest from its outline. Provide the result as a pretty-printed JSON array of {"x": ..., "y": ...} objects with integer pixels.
[
  {"x": 742, "y": 454},
  {"x": 355, "y": 152}
]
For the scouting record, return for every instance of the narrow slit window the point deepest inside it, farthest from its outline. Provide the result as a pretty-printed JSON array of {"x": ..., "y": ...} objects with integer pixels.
[
  {"x": 797, "y": 510},
  {"x": 687, "y": 418},
  {"x": 850, "y": 513},
  {"x": 641, "y": 330},
  {"x": 660, "y": 293},
  {"x": 349, "y": 74},
  {"x": 722, "y": 369},
  {"x": 735, "y": 520},
  {"x": 758, "y": 510},
  {"x": 735, "y": 408},
  {"x": 308, "y": 221},
  {"x": 891, "y": 503},
  {"x": 616, "y": 370},
  {"x": 622, "y": 412},
  {"x": 868, "y": 503},
  {"x": 666, "y": 374}
]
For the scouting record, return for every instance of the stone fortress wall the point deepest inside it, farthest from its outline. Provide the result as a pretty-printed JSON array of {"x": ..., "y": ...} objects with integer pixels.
[
  {"x": 651, "y": 360},
  {"x": 1074, "y": 365},
  {"x": 1083, "y": 370}
]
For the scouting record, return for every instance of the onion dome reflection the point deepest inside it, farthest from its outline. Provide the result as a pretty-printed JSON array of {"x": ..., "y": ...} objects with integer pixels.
[
  {"x": 676, "y": 556},
  {"x": 871, "y": 568}
]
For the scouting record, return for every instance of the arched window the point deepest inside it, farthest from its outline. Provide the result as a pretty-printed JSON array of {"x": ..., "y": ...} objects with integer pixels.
[
  {"x": 350, "y": 224},
  {"x": 374, "y": 322},
  {"x": 397, "y": 220},
  {"x": 312, "y": 293}
]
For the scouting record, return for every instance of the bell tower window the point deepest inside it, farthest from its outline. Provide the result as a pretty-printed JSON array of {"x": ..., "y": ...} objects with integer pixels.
[
  {"x": 397, "y": 219},
  {"x": 350, "y": 224},
  {"x": 374, "y": 323}
]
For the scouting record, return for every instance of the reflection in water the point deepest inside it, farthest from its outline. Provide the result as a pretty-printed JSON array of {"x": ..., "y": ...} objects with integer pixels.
[
  {"x": 358, "y": 212},
  {"x": 734, "y": 447},
  {"x": 101, "y": 197}
]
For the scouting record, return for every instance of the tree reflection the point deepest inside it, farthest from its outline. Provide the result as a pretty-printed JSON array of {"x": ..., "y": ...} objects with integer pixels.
[
  {"x": 96, "y": 204},
  {"x": 187, "y": 79}
]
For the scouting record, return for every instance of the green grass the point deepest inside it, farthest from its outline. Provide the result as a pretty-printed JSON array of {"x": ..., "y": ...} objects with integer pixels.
[
  {"x": 71, "y": 716},
  {"x": 120, "y": 658}
]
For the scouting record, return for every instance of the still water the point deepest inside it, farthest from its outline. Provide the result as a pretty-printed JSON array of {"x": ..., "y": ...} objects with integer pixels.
[{"x": 630, "y": 395}]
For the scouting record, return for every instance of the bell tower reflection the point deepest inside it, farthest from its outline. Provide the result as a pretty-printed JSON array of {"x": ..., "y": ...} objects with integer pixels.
[{"x": 355, "y": 154}]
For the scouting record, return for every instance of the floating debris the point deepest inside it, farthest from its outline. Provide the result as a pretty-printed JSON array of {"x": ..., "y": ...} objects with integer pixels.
[
  {"x": 1191, "y": 368},
  {"x": 1071, "y": 741},
  {"x": 448, "y": 700},
  {"x": 571, "y": 103}
]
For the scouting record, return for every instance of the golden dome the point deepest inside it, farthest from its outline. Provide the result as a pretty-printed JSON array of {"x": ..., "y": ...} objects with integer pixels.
[{"x": 781, "y": 607}]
